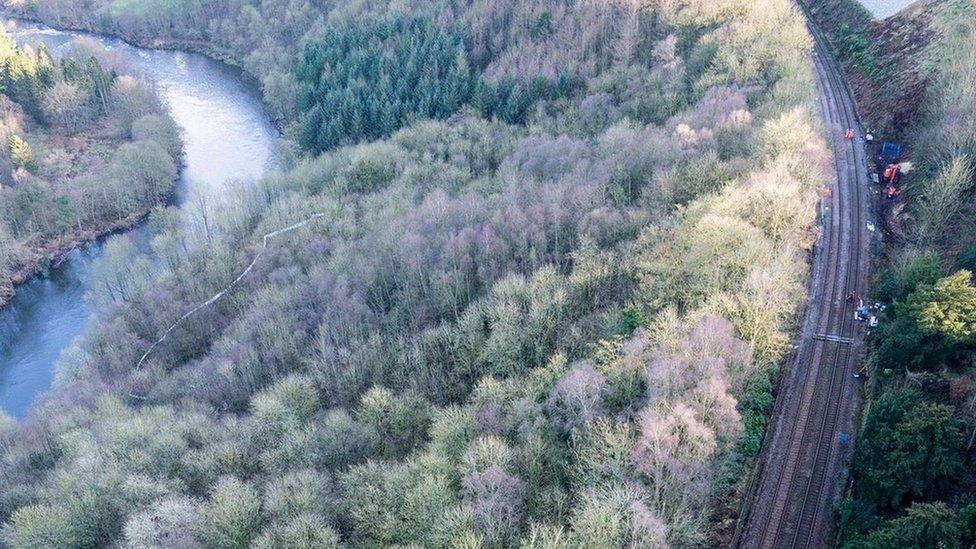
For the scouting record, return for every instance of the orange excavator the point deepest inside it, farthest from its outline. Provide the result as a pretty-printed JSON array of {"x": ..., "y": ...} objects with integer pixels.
[{"x": 891, "y": 177}]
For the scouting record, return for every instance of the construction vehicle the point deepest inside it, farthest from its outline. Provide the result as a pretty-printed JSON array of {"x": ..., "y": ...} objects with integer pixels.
[
  {"x": 891, "y": 177},
  {"x": 891, "y": 174}
]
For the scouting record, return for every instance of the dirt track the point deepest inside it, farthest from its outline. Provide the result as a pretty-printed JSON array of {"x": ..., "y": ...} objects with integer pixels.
[{"x": 804, "y": 463}]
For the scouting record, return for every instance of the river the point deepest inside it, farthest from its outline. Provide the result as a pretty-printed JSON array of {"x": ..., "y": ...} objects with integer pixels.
[
  {"x": 227, "y": 136},
  {"x": 882, "y": 9}
]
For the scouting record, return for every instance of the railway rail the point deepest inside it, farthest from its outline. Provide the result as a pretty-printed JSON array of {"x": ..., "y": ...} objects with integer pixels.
[{"x": 803, "y": 465}]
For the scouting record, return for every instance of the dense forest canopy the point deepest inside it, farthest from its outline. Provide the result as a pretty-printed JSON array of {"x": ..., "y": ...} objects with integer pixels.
[
  {"x": 86, "y": 147},
  {"x": 509, "y": 40},
  {"x": 365, "y": 81},
  {"x": 558, "y": 328}
]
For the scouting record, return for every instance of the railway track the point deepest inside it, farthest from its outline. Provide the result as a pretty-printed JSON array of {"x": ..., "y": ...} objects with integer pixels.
[{"x": 802, "y": 468}]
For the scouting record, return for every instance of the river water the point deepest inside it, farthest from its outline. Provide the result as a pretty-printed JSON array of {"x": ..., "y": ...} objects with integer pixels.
[
  {"x": 882, "y": 9},
  {"x": 227, "y": 136}
]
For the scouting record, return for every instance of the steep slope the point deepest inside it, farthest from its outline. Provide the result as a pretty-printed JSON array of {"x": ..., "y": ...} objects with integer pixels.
[{"x": 884, "y": 61}]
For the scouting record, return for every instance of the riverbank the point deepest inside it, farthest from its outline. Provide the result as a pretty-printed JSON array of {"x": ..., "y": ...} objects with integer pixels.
[
  {"x": 201, "y": 47},
  {"x": 89, "y": 150},
  {"x": 196, "y": 46},
  {"x": 51, "y": 253}
]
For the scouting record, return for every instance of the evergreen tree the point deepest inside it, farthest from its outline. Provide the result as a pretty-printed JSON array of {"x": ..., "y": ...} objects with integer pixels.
[
  {"x": 948, "y": 308},
  {"x": 21, "y": 153},
  {"x": 925, "y": 525},
  {"x": 908, "y": 449}
]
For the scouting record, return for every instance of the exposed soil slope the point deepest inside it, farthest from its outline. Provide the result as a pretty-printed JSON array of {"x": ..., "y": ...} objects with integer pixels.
[{"x": 883, "y": 60}]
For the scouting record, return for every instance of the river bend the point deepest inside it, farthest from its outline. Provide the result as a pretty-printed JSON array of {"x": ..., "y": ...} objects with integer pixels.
[{"x": 227, "y": 136}]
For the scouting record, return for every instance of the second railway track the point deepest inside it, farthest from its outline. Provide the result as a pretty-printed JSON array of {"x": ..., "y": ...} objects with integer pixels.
[{"x": 802, "y": 467}]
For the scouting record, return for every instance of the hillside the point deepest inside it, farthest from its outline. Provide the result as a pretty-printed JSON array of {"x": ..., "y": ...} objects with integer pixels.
[
  {"x": 886, "y": 61},
  {"x": 535, "y": 303}
]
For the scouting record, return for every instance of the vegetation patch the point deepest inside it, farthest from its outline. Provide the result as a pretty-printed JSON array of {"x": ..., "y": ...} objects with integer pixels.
[{"x": 368, "y": 80}]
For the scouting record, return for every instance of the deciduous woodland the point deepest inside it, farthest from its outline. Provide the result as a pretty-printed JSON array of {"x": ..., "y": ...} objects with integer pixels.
[
  {"x": 564, "y": 247},
  {"x": 85, "y": 148},
  {"x": 912, "y": 470}
]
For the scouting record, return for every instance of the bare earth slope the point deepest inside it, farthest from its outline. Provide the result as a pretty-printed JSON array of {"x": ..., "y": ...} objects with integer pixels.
[
  {"x": 804, "y": 463},
  {"x": 883, "y": 60}
]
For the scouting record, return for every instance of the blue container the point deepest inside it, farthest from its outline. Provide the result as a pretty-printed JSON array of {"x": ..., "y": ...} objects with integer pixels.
[{"x": 891, "y": 150}]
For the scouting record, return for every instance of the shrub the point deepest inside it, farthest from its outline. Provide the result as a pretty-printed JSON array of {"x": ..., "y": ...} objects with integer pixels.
[
  {"x": 399, "y": 423},
  {"x": 496, "y": 499},
  {"x": 41, "y": 526},
  {"x": 231, "y": 515},
  {"x": 66, "y": 105},
  {"x": 302, "y": 532},
  {"x": 160, "y": 129},
  {"x": 170, "y": 520},
  {"x": 300, "y": 493},
  {"x": 577, "y": 399}
]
